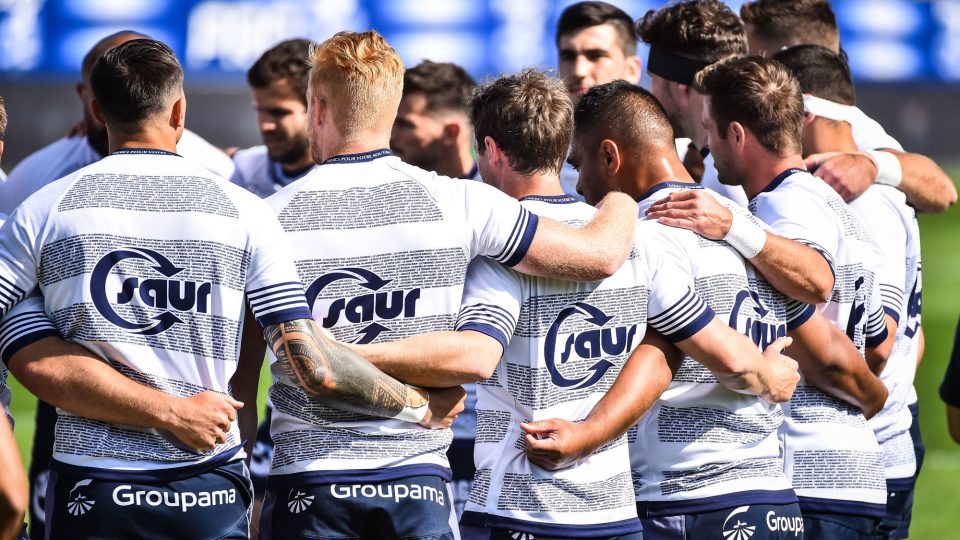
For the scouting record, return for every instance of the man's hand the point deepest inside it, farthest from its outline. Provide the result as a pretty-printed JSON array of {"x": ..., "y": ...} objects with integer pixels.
[
  {"x": 849, "y": 173},
  {"x": 555, "y": 444},
  {"x": 203, "y": 420},
  {"x": 444, "y": 407},
  {"x": 784, "y": 371},
  {"x": 693, "y": 209}
]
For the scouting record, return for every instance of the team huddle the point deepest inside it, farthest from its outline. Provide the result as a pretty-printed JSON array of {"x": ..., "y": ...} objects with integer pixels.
[{"x": 544, "y": 307}]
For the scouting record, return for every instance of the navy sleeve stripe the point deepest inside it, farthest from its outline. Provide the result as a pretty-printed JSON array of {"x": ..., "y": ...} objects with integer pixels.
[
  {"x": 796, "y": 309},
  {"x": 464, "y": 323},
  {"x": 488, "y": 312},
  {"x": 893, "y": 313},
  {"x": 823, "y": 252},
  {"x": 678, "y": 315},
  {"x": 488, "y": 330},
  {"x": 802, "y": 317},
  {"x": 34, "y": 323},
  {"x": 694, "y": 326},
  {"x": 277, "y": 317},
  {"x": 876, "y": 324},
  {"x": 270, "y": 300},
  {"x": 514, "y": 234},
  {"x": 873, "y": 341},
  {"x": 287, "y": 285},
  {"x": 10, "y": 285},
  {"x": 520, "y": 239},
  {"x": 22, "y": 330}
]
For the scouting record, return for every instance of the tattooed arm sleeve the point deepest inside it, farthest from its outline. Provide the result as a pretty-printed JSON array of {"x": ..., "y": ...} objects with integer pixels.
[{"x": 336, "y": 375}]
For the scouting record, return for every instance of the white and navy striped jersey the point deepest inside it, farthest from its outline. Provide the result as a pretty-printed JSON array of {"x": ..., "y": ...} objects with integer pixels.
[
  {"x": 68, "y": 154},
  {"x": 893, "y": 226},
  {"x": 259, "y": 174},
  {"x": 704, "y": 447},
  {"x": 832, "y": 456},
  {"x": 382, "y": 248},
  {"x": 146, "y": 259},
  {"x": 564, "y": 345}
]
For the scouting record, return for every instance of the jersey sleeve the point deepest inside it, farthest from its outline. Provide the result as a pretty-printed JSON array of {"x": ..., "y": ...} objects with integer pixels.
[
  {"x": 274, "y": 290},
  {"x": 802, "y": 218},
  {"x": 19, "y": 250},
  {"x": 26, "y": 323},
  {"x": 868, "y": 134},
  {"x": 491, "y": 300},
  {"x": 890, "y": 241},
  {"x": 674, "y": 309},
  {"x": 501, "y": 228}
]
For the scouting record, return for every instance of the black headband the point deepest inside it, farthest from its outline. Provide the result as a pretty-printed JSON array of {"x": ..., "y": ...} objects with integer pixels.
[{"x": 673, "y": 67}]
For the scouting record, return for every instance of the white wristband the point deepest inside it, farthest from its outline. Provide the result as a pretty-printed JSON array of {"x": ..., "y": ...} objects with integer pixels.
[
  {"x": 889, "y": 171},
  {"x": 414, "y": 414},
  {"x": 745, "y": 236}
]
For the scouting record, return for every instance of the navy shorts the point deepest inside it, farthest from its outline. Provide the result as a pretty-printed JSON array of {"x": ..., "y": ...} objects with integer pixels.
[
  {"x": 262, "y": 454},
  {"x": 839, "y": 526},
  {"x": 482, "y": 533},
  {"x": 214, "y": 504},
  {"x": 895, "y": 524},
  {"x": 415, "y": 508},
  {"x": 462, "y": 466},
  {"x": 753, "y": 522}
]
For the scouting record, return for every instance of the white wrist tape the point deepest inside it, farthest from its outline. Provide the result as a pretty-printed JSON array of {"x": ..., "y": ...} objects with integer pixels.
[
  {"x": 414, "y": 414},
  {"x": 889, "y": 171},
  {"x": 746, "y": 236}
]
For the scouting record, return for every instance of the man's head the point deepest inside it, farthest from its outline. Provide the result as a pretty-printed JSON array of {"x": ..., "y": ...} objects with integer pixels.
[
  {"x": 597, "y": 44},
  {"x": 753, "y": 104},
  {"x": 95, "y": 130},
  {"x": 432, "y": 117},
  {"x": 278, "y": 82},
  {"x": 684, "y": 38},
  {"x": 522, "y": 125},
  {"x": 617, "y": 126},
  {"x": 138, "y": 85},
  {"x": 775, "y": 24},
  {"x": 356, "y": 81}
]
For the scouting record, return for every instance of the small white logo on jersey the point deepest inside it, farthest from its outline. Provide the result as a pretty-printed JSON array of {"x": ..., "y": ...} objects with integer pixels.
[
  {"x": 518, "y": 535},
  {"x": 738, "y": 530},
  {"x": 299, "y": 501},
  {"x": 79, "y": 504}
]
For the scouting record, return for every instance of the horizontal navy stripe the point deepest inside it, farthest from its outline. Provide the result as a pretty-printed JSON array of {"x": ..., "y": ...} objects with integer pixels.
[
  {"x": 595, "y": 530},
  {"x": 526, "y": 238},
  {"x": 283, "y": 316},
  {"x": 256, "y": 293},
  {"x": 476, "y": 323},
  {"x": 693, "y": 327},
  {"x": 496, "y": 314},
  {"x": 836, "y": 506},
  {"x": 488, "y": 330},
  {"x": 798, "y": 321},
  {"x": 172, "y": 474},
  {"x": 901, "y": 485},
  {"x": 12, "y": 348},
  {"x": 893, "y": 313},
  {"x": 283, "y": 296},
  {"x": 356, "y": 476},
  {"x": 875, "y": 340},
  {"x": 649, "y": 509}
]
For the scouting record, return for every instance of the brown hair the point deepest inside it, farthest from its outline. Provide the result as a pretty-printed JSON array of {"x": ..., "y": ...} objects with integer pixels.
[
  {"x": 586, "y": 14},
  {"x": 363, "y": 76},
  {"x": 820, "y": 72},
  {"x": 286, "y": 61},
  {"x": 625, "y": 112},
  {"x": 135, "y": 81},
  {"x": 759, "y": 93},
  {"x": 446, "y": 86},
  {"x": 529, "y": 115},
  {"x": 793, "y": 22},
  {"x": 701, "y": 29}
]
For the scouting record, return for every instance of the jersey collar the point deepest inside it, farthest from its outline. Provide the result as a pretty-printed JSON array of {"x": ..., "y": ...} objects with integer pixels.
[
  {"x": 152, "y": 151},
  {"x": 552, "y": 199},
  {"x": 779, "y": 179},
  {"x": 668, "y": 185},
  {"x": 359, "y": 157}
]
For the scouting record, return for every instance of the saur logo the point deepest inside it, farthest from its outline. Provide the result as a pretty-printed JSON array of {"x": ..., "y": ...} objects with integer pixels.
[
  {"x": 752, "y": 325},
  {"x": 594, "y": 343},
  {"x": 364, "y": 308},
  {"x": 914, "y": 308},
  {"x": 159, "y": 292}
]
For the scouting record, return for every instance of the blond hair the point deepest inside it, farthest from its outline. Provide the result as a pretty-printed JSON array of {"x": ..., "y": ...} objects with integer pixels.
[{"x": 363, "y": 80}]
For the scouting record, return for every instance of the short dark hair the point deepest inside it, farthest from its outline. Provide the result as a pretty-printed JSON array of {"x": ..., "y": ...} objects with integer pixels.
[
  {"x": 286, "y": 61},
  {"x": 529, "y": 115},
  {"x": 820, "y": 72},
  {"x": 106, "y": 43},
  {"x": 759, "y": 93},
  {"x": 793, "y": 21},
  {"x": 134, "y": 80},
  {"x": 446, "y": 86},
  {"x": 3, "y": 119},
  {"x": 701, "y": 29},
  {"x": 586, "y": 14},
  {"x": 626, "y": 111}
]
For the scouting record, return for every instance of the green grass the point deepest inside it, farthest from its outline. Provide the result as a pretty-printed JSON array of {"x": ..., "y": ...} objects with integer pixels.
[{"x": 935, "y": 506}]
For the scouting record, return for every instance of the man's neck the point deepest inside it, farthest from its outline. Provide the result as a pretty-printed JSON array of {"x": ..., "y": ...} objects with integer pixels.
[
  {"x": 519, "y": 186},
  {"x": 648, "y": 172},
  {"x": 823, "y": 135},
  {"x": 154, "y": 139},
  {"x": 764, "y": 167},
  {"x": 299, "y": 166}
]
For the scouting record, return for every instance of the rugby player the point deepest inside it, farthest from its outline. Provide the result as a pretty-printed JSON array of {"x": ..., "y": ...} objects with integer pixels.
[
  {"x": 432, "y": 130},
  {"x": 774, "y": 24},
  {"x": 278, "y": 84},
  {"x": 827, "y": 85},
  {"x": 950, "y": 389},
  {"x": 383, "y": 248},
  {"x": 160, "y": 301},
  {"x": 753, "y": 114},
  {"x": 596, "y": 43}
]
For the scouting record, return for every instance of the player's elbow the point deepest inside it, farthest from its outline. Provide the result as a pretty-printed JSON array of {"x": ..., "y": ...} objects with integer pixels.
[{"x": 13, "y": 506}]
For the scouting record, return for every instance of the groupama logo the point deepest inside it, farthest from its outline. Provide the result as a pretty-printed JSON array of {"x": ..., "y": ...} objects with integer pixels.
[
  {"x": 156, "y": 291},
  {"x": 590, "y": 344}
]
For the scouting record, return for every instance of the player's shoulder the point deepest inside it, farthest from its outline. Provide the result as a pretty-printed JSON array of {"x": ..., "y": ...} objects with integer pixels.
[
  {"x": 247, "y": 158},
  {"x": 208, "y": 156},
  {"x": 50, "y": 162}
]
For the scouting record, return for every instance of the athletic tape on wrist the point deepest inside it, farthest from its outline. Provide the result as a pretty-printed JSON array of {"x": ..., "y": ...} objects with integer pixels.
[
  {"x": 414, "y": 414},
  {"x": 889, "y": 171},
  {"x": 745, "y": 236}
]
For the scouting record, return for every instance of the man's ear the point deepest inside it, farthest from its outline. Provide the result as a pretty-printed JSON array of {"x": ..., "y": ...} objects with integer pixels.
[
  {"x": 451, "y": 132},
  {"x": 634, "y": 68},
  {"x": 737, "y": 134},
  {"x": 610, "y": 156},
  {"x": 808, "y": 118},
  {"x": 95, "y": 106},
  {"x": 492, "y": 152},
  {"x": 178, "y": 113},
  {"x": 79, "y": 87}
]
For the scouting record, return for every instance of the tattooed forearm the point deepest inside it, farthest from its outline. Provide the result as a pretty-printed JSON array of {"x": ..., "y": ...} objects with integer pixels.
[{"x": 334, "y": 374}]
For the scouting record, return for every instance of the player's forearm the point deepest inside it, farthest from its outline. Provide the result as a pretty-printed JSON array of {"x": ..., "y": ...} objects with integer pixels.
[
  {"x": 926, "y": 185},
  {"x": 732, "y": 358},
  {"x": 245, "y": 382},
  {"x": 590, "y": 253},
  {"x": 437, "y": 359},
  {"x": 878, "y": 355},
  {"x": 336, "y": 375},
  {"x": 796, "y": 270},
  {"x": 13, "y": 484},
  {"x": 72, "y": 378}
]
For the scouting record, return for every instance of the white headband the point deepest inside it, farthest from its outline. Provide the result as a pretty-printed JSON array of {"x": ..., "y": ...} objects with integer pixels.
[{"x": 829, "y": 109}]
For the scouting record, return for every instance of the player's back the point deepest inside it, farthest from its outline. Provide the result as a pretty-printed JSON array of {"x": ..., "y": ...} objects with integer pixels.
[
  {"x": 382, "y": 248},
  {"x": 702, "y": 441}
]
